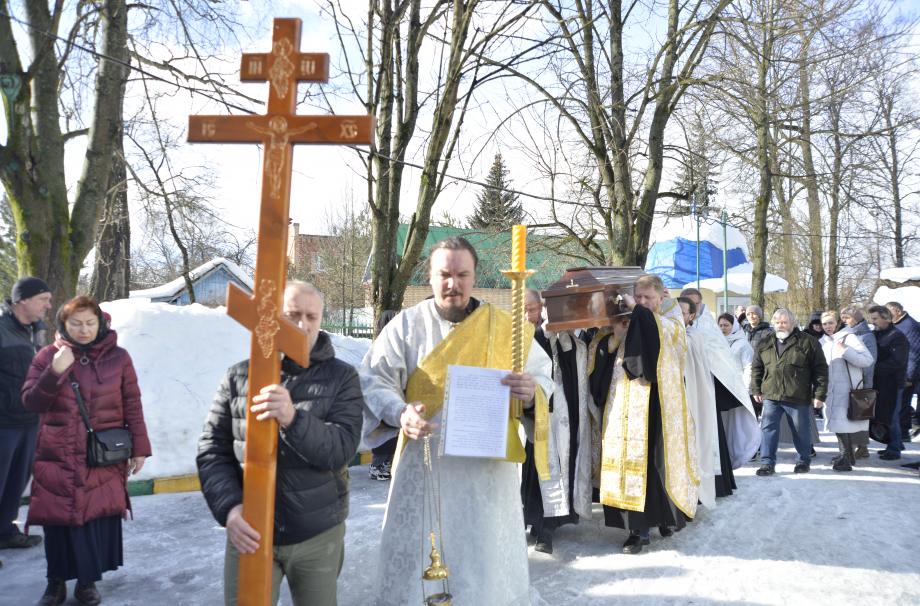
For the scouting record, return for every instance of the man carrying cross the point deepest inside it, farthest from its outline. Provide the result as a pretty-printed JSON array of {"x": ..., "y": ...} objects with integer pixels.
[
  {"x": 318, "y": 410},
  {"x": 273, "y": 334}
]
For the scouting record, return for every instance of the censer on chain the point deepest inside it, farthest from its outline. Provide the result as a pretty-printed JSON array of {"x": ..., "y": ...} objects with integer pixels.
[{"x": 436, "y": 572}]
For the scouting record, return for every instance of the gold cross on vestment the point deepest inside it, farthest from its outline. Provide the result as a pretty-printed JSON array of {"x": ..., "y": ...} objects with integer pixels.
[{"x": 278, "y": 130}]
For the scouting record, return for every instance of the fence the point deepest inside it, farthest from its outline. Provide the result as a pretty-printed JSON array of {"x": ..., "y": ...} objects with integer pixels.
[{"x": 359, "y": 331}]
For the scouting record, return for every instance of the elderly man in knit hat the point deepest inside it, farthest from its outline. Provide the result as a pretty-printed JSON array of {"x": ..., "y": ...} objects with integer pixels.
[{"x": 21, "y": 336}]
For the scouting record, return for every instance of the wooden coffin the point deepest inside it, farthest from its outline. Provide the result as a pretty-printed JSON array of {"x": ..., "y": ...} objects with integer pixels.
[{"x": 588, "y": 296}]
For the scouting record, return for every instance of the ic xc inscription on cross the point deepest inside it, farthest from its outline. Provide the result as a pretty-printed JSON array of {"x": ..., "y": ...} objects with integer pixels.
[{"x": 278, "y": 130}]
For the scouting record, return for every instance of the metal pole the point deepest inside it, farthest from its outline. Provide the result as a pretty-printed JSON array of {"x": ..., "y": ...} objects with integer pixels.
[
  {"x": 725, "y": 259},
  {"x": 697, "y": 217}
]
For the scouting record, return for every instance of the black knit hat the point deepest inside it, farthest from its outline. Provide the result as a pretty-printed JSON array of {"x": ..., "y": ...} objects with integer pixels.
[{"x": 28, "y": 287}]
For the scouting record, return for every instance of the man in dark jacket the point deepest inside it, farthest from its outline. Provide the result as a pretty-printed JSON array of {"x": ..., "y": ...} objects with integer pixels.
[
  {"x": 911, "y": 329},
  {"x": 757, "y": 328},
  {"x": 890, "y": 374},
  {"x": 788, "y": 367},
  {"x": 22, "y": 334},
  {"x": 318, "y": 410}
]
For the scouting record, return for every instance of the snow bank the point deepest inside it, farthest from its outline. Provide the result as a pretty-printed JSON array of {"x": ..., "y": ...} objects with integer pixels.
[
  {"x": 908, "y": 296},
  {"x": 901, "y": 274},
  {"x": 181, "y": 354}
]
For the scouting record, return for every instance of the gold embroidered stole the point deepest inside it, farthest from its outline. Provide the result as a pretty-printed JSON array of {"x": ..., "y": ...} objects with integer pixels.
[
  {"x": 624, "y": 458},
  {"x": 483, "y": 339}
]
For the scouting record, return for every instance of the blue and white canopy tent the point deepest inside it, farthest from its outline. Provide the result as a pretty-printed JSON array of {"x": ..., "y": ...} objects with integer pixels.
[{"x": 673, "y": 256}]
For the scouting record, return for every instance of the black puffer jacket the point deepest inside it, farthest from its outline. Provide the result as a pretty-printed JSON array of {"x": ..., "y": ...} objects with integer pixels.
[
  {"x": 756, "y": 334},
  {"x": 18, "y": 345},
  {"x": 313, "y": 452},
  {"x": 890, "y": 369}
]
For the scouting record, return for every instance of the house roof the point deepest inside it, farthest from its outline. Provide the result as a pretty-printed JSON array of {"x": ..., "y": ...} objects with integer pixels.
[
  {"x": 173, "y": 288},
  {"x": 494, "y": 251}
]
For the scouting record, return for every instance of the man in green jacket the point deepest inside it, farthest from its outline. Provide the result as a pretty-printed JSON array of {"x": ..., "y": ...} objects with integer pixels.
[{"x": 788, "y": 367}]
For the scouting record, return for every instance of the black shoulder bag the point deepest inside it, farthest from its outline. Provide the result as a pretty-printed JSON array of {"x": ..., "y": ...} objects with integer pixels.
[{"x": 106, "y": 447}]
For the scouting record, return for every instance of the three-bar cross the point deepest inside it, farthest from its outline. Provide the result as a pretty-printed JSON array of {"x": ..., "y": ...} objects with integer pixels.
[{"x": 278, "y": 130}]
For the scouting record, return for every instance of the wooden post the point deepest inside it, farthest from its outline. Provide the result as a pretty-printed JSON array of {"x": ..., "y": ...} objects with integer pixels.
[{"x": 278, "y": 130}]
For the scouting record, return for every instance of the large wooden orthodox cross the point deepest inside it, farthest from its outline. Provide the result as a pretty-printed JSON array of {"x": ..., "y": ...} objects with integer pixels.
[{"x": 278, "y": 130}]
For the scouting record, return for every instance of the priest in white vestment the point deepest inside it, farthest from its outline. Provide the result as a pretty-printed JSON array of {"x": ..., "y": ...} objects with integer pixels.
[
  {"x": 741, "y": 428},
  {"x": 482, "y": 540},
  {"x": 701, "y": 400}
]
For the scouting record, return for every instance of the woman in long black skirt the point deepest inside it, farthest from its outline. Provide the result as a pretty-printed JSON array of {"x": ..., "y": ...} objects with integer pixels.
[{"x": 81, "y": 507}]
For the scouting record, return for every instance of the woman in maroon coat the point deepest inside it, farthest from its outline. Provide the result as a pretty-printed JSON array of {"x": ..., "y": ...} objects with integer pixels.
[{"x": 81, "y": 507}]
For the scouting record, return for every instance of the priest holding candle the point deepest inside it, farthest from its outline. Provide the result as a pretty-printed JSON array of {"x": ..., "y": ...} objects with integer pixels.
[{"x": 454, "y": 519}]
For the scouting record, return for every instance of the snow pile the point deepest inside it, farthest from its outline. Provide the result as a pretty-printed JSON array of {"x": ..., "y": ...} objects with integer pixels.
[
  {"x": 901, "y": 274},
  {"x": 908, "y": 296},
  {"x": 181, "y": 354}
]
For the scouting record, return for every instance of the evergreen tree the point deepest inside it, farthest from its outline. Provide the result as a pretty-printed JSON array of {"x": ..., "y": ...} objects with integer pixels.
[{"x": 497, "y": 209}]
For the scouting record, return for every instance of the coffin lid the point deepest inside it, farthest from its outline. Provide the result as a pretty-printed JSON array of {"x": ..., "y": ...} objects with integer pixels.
[{"x": 590, "y": 279}]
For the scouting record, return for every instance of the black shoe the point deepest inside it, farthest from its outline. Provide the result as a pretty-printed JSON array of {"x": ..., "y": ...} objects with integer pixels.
[
  {"x": 634, "y": 543},
  {"x": 20, "y": 541},
  {"x": 802, "y": 468},
  {"x": 842, "y": 464},
  {"x": 55, "y": 593},
  {"x": 766, "y": 470},
  {"x": 665, "y": 532},
  {"x": 544, "y": 541},
  {"x": 889, "y": 456},
  {"x": 87, "y": 595},
  {"x": 381, "y": 472}
]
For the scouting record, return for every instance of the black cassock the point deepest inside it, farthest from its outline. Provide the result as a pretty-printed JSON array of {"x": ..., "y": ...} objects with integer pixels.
[
  {"x": 641, "y": 361},
  {"x": 725, "y": 401},
  {"x": 530, "y": 481}
]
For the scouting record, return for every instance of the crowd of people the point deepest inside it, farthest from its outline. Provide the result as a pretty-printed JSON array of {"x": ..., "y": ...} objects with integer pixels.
[{"x": 647, "y": 417}]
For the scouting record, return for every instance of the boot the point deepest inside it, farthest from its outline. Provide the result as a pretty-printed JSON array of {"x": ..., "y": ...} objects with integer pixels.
[
  {"x": 636, "y": 540},
  {"x": 87, "y": 595},
  {"x": 862, "y": 452},
  {"x": 55, "y": 593},
  {"x": 544, "y": 541}
]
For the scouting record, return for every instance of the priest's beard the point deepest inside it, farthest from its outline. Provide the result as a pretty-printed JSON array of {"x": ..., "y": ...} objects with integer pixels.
[
  {"x": 782, "y": 335},
  {"x": 453, "y": 314}
]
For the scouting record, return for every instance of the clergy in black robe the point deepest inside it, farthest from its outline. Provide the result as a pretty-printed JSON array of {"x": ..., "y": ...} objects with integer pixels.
[{"x": 647, "y": 405}]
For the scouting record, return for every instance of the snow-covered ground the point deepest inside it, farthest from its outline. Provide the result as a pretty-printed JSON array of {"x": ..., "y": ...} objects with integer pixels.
[{"x": 819, "y": 538}]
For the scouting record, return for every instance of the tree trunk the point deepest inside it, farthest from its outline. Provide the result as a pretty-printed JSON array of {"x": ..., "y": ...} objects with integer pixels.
[
  {"x": 833, "y": 268},
  {"x": 53, "y": 240},
  {"x": 894, "y": 175},
  {"x": 815, "y": 242},
  {"x": 112, "y": 268}
]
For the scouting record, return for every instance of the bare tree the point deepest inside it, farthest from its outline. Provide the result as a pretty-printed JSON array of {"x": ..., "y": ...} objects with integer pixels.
[{"x": 401, "y": 89}]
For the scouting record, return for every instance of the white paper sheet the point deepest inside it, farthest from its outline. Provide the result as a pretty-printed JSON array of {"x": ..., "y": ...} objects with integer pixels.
[{"x": 475, "y": 422}]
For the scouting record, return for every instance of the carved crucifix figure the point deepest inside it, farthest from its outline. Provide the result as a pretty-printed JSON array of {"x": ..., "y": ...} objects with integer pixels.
[{"x": 277, "y": 130}]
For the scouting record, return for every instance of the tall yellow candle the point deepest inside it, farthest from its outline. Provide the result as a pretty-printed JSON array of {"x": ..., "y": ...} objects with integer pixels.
[{"x": 518, "y": 247}]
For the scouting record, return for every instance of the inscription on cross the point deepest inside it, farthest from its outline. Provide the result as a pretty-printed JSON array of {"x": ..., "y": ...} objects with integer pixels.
[{"x": 278, "y": 130}]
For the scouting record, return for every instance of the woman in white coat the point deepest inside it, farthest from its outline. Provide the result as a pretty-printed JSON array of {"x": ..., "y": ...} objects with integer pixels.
[
  {"x": 846, "y": 357},
  {"x": 737, "y": 341}
]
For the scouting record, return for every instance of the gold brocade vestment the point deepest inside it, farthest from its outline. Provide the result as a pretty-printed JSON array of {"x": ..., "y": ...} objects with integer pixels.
[
  {"x": 483, "y": 339},
  {"x": 624, "y": 459}
]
